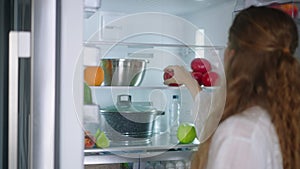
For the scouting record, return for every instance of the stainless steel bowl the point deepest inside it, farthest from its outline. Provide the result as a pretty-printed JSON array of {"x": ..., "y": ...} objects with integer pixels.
[{"x": 123, "y": 72}]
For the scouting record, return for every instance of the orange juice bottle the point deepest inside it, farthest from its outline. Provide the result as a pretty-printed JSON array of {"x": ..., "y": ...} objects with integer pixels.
[{"x": 93, "y": 73}]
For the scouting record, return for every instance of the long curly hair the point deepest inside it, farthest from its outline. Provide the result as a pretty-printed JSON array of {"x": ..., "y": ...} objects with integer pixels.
[{"x": 264, "y": 72}]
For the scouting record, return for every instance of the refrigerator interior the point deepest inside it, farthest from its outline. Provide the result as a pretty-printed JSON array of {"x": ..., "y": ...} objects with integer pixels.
[{"x": 164, "y": 33}]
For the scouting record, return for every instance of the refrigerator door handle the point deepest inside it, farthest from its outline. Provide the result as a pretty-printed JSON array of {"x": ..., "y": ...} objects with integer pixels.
[{"x": 19, "y": 47}]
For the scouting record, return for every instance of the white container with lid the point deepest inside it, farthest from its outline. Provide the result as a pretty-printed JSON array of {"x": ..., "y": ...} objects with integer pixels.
[{"x": 91, "y": 56}]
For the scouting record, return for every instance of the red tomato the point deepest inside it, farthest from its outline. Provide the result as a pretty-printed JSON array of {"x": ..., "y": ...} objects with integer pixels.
[
  {"x": 210, "y": 79},
  {"x": 88, "y": 141},
  {"x": 200, "y": 65},
  {"x": 197, "y": 76},
  {"x": 168, "y": 75},
  {"x": 289, "y": 8}
]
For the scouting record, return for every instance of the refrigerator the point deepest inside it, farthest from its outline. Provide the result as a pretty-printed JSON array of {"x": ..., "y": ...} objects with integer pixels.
[
  {"x": 43, "y": 55},
  {"x": 163, "y": 33}
]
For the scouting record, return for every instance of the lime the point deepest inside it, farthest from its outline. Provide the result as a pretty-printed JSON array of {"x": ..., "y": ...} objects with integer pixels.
[
  {"x": 186, "y": 133},
  {"x": 102, "y": 141},
  {"x": 97, "y": 134},
  {"x": 87, "y": 94}
]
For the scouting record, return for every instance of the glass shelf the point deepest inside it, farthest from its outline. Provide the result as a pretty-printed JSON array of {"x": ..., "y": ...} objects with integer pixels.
[
  {"x": 136, "y": 87},
  {"x": 158, "y": 143},
  {"x": 161, "y": 147},
  {"x": 96, "y": 88},
  {"x": 140, "y": 149},
  {"x": 149, "y": 45}
]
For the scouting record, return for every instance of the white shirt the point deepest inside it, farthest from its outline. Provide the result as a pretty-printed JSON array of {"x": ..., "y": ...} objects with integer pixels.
[{"x": 245, "y": 141}]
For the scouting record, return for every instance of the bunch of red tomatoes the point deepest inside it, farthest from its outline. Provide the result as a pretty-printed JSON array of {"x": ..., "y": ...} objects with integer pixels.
[{"x": 201, "y": 71}]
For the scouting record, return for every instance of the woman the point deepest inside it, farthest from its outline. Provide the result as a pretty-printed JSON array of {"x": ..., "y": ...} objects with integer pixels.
[{"x": 260, "y": 126}]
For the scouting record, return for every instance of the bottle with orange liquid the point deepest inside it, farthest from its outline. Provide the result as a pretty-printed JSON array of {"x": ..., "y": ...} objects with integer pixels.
[{"x": 93, "y": 73}]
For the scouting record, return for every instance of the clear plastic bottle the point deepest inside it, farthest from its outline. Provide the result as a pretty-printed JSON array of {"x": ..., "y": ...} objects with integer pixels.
[{"x": 174, "y": 115}]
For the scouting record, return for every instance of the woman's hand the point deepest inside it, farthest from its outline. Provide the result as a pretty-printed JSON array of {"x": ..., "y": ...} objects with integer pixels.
[{"x": 182, "y": 76}]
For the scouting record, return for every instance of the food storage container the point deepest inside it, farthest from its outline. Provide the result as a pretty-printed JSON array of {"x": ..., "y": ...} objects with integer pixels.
[{"x": 129, "y": 122}]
